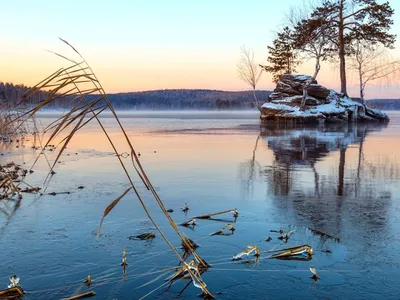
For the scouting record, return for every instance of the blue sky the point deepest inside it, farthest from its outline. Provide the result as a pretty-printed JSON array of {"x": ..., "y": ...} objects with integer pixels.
[{"x": 142, "y": 45}]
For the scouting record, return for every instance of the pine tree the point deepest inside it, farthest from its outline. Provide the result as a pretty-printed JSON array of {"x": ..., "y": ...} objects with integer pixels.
[
  {"x": 282, "y": 56},
  {"x": 355, "y": 20}
]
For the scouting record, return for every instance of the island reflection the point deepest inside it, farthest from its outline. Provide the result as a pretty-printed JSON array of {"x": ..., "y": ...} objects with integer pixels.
[
  {"x": 321, "y": 177},
  {"x": 298, "y": 150}
]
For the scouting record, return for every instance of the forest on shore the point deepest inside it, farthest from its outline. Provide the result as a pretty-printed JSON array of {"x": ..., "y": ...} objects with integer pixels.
[{"x": 177, "y": 99}]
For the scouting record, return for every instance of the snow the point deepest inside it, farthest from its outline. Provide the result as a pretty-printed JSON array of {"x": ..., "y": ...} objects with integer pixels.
[
  {"x": 377, "y": 112},
  {"x": 316, "y": 85},
  {"x": 307, "y": 114},
  {"x": 318, "y": 111},
  {"x": 321, "y": 111},
  {"x": 347, "y": 102},
  {"x": 274, "y": 106},
  {"x": 298, "y": 77},
  {"x": 288, "y": 99},
  {"x": 331, "y": 108},
  {"x": 301, "y": 77}
]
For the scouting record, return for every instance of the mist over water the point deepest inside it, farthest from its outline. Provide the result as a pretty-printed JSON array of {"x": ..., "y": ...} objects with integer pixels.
[
  {"x": 341, "y": 180},
  {"x": 172, "y": 114}
]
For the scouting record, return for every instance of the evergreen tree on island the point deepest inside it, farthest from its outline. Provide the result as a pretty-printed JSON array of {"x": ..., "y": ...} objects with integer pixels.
[
  {"x": 339, "y": 25},
  {"x": 282, "y": 55}
]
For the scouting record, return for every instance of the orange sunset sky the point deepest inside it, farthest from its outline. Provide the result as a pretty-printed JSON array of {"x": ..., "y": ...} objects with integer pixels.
[{"x": 148, "y": 45}]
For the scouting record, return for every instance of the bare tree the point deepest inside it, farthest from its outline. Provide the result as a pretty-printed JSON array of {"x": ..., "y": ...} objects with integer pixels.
[
  {"x": 312, "y": 39},
  {"x": 249, "y": 71},
  {"x": 315, "y": 46},
  {"x": 371, "y": 64}
]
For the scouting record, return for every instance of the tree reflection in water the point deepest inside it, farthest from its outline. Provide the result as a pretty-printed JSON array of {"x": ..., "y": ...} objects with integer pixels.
[
  {"x": 249, "y": 170},
  {"x": 322, "y": 178},
  {"x": 297, "y": 150}
]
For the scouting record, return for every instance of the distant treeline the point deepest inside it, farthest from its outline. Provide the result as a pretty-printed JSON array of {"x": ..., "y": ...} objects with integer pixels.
[
  {"x": 384, "y": 104},
  {"x": 11, "y": 94},
  {"x": 186, "y": 99},
  {"x": 154, "y": 100}
]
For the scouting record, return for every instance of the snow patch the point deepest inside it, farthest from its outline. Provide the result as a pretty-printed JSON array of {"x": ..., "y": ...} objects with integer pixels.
[
  {"x": 302, "y": 77},
  {"x": 275, "y": 106}
]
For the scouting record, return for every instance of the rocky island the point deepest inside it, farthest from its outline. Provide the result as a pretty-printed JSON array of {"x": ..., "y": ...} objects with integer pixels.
[{"x": 321, "y": 104}]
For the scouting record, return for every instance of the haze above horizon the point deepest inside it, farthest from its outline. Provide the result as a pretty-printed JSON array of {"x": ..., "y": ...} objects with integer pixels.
[{"x": 152, "y": 45}]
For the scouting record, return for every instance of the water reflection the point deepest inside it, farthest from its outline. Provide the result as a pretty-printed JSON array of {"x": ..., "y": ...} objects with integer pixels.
[
  {"x": 249, "y": 170},
  {"x": 323, "y": 177},
  {"x": 298, "y": 150},
  {"x": 9, "y": 207}
]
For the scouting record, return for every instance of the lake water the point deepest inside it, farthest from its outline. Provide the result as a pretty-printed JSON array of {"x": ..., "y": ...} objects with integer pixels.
[{"x": 342, "y": 180}]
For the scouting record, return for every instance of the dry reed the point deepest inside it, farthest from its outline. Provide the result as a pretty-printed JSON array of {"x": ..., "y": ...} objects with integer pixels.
[{"x": 78, "y": 82}]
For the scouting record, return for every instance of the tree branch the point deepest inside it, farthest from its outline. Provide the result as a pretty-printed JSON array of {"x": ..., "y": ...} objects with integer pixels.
[{"x": 355, "y": 13}]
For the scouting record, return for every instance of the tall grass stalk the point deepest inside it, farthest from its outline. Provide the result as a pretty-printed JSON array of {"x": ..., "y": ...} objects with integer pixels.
[{"x": 79, "y": 82}]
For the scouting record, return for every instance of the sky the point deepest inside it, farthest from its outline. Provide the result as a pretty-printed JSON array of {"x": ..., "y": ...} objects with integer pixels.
[{"x": 148, "y": 45}]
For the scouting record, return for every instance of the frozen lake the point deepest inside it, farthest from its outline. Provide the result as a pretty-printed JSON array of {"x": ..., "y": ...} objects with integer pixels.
[{"x": 340, "y": 180}]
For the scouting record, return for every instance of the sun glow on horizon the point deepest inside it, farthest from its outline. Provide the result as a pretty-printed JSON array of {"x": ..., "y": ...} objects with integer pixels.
[{"x": 135, "y": 46}]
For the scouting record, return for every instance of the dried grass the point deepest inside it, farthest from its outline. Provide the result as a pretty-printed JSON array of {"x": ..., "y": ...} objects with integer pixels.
[{"x": 78, "y": 82}]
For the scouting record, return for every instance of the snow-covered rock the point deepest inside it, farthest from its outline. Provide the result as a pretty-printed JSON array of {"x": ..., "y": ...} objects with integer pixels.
[
  {"x": 310, "y": 100},
  {"x": 322, "y": 104},
  {"x": 277, "y": 96},
  {"x": 296, "y": 78}
]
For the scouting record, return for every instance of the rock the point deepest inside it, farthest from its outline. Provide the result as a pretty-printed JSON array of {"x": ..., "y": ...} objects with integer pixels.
[
  {"x": 292, "y": 85},
  {"x": 375, "y": 114},
  {"x": 322, "y": 104},
  {"x": 277, "y": 96},
  {"x": 298, "y": 86},
  {"x": 288, "y": 113},
  {"x": 318, "y": 91},
  {"x": 285, "y": 101},
  {"x": 286, "y": 88},
  {"x": 298, "y": 78},
  {"x": 361, "y": 111},
  {"x": 310, "y": 101},
  {"x": 271, "y": 108}
]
